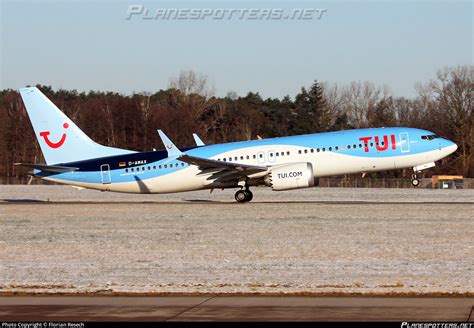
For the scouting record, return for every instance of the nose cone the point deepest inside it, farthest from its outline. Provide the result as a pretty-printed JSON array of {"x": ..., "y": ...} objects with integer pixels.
[{"x": 450, "y": 147}]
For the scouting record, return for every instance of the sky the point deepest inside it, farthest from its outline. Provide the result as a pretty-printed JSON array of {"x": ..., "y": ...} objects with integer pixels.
[{"x": 90, "y": 45}]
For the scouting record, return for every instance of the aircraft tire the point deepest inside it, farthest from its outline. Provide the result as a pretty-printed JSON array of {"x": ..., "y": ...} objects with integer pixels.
[
  {"x": 241, "y": 196},
  {"x": 249, "y": 195}
]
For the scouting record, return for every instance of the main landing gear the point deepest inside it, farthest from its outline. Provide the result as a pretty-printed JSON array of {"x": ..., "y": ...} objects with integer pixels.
[
  {"x": 414, "y": 180},
  {"x": 243, "y": 195}
]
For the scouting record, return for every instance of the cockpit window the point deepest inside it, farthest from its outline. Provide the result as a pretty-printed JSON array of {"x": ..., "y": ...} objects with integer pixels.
[{"x": 430, "y": 137}]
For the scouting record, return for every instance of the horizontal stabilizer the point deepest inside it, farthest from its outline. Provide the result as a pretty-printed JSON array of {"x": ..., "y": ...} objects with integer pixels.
[{"x": 48, "y": 168}]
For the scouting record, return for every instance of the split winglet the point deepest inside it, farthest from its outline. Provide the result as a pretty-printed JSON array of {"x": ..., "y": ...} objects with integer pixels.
[
  {"x": 198, "y": 140},
  {"x": 172, "y": 150}
]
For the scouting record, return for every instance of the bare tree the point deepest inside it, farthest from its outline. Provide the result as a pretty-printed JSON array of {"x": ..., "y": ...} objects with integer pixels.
[
  {"x": 450, "y": 98},
  {"x": 359, "y": 97},
  {"x": 190, "y": 82},
  {"x": 144, "y": 104},
  {"x": 354, "y": 100},
  {"x": 195, "y": 97}
]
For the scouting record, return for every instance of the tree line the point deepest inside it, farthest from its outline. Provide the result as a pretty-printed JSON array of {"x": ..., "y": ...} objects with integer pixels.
[{"x": 442, "y": 105}]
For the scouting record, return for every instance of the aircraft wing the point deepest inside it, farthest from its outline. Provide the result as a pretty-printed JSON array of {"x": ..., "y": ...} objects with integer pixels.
[{"x": 210, "y": 165}]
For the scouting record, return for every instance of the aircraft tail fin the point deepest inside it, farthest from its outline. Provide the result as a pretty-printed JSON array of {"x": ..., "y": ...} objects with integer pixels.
[{"x": 61, "y": 140}]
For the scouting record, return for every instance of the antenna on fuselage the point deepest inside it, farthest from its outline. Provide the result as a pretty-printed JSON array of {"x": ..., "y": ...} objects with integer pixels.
[{"x": 172, "y": 150}]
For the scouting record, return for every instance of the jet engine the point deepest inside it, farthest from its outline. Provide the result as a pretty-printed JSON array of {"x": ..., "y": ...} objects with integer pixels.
[{"x": 291, "y": 176}]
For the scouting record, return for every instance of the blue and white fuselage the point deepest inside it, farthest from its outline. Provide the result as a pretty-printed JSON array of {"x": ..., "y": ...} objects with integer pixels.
[{"x": 281, "y": 163}]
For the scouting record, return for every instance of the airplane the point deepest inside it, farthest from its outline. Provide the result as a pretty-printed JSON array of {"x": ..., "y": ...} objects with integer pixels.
[
  {"x": 283, "y": 163},
  {"x": 198, "y": 140}
]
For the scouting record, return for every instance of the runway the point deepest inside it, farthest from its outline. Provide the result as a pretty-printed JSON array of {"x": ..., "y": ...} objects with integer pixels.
[
  {"x": 228, "y": 308},
  {"x": 209, "y": 202}
]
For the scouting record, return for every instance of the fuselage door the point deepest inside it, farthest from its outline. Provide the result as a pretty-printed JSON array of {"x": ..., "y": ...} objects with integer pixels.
[
  {"x": 105, "y": 173},
  {"x": 271, "y": 156},
  {"x": 404, "y": 142}
]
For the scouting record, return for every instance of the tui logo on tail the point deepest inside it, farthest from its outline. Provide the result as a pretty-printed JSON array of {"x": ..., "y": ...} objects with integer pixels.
[{"x": 51, "y": 144}]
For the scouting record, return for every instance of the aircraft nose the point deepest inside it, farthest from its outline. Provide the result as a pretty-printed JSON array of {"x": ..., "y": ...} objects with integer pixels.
[{"x": 451, "y": 147}]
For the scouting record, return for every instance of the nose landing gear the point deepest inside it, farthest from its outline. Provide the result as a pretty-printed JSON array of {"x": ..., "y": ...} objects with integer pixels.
[
  {"x": 414, "y": 180},
  {"x": 243, "y": 196}
]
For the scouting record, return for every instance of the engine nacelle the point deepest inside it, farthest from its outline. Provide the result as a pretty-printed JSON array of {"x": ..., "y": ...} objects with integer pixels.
[{"x": 291, "y": 176}]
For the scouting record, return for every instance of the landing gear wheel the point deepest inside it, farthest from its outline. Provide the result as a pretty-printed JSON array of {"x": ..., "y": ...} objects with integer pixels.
[
  {"x": 414, "y": 180},
  {"x": 241, "y": 196},
  {"x": 249, "y": 195}
]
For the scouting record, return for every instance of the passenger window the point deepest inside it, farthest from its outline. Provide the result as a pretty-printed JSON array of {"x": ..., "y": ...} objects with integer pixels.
[
  {"x": 126, "y": 170},
  {"x": 225, "y": 160},
  {"x": 348, "y": 146},
  {"x": 312, "y": 150},
  {"x": 318, "y": 150},
  {"x": 355, "y": 146},
  {"x": 288, "y": 153},
  {"x": 282, "y": 153},
  {"x": 131, "y": 169},
  {"x": 271, "y": 154},
  {"x": 360, "y": 145},
  {"x": 299, "y": 151},
  {"x": 330, "y": 149},
  {"x": 254, "y": 156},
  {"x": 277, "y": 154},
  {"x": 324, "y": 149},
  {"x": 382, "y": 143},
  {"x": 371, "y": 144},
  {"x": 154, "y": 167},
  {"x": 182, "y": 164},
  {"x": 176, "y": 165},
  {"x": 306, "y": 151},
  {"x": 261, "y": 156},
  {"x": 337, "y": 148},
  {"x": 143, "y": 168},
  {"x": 230, "y": 159},
  {"x": 248, "y": 157},
  {"x": 241, "y": 157},
  {"x": 149, "y": 168},
  {"x": 159, "y": 167},
  {"x": 166, "y": 166}
]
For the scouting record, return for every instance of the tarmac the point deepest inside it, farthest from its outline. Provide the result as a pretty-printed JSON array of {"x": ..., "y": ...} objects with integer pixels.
[
  {"x": 322, "y": 254},
  {"x": 225, "y": 308}
]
